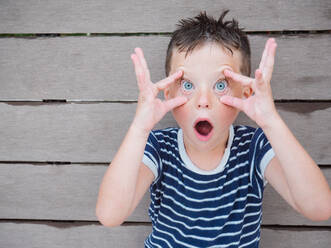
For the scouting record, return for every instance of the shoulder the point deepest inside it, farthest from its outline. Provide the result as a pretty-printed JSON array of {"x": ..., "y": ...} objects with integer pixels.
[
  {"x": 244, "y": 129},
  {"x": 162, "y": 139},
  {"x": 254, "y": 142},
  {"x": 250, "y": 138},
  {"x": 166, "y": 134},
  {"x": 243, "y": 133},
  {"x": 248, "y": 132}
]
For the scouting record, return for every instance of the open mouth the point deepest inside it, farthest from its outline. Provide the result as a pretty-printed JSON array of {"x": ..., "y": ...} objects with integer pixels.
[{"x": 203, "y": 129}]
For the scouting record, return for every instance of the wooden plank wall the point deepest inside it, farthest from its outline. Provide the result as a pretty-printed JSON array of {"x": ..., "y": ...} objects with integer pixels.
[{"x": 68, "y": 94}]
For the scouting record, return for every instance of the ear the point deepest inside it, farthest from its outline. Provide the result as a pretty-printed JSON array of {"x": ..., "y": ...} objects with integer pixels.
[{"x": 247, "y": 92}]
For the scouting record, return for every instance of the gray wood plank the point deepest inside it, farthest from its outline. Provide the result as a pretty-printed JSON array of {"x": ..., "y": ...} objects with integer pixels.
[
  {"x": 69, "y": 192},
  {"x": 276, "y": 211},
  {"x": 155, "y": 16},
  {"x": 293, "y": 239},
  {"x": 50, "y": 192},
  {"x": 100, "y": 68},
  {"x": 93, "y": 132},
  {"x": 54, "y": 235},
  {"x": 39, "y": 235}
]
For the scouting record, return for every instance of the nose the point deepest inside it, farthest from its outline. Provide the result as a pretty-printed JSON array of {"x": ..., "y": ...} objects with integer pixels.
[{"x": 203, "y": 99}]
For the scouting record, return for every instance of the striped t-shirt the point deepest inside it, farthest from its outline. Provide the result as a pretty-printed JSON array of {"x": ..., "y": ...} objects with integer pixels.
[{"x": 191, "y": 207}]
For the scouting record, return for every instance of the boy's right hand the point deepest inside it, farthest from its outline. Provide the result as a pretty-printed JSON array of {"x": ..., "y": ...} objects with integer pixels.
[{"x": 150, "y": 109}]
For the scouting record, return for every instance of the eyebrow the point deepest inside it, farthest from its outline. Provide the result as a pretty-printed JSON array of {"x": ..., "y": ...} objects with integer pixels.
[
  {"x": 220, "y": 77},
  {"x": 186, "y": 78}
]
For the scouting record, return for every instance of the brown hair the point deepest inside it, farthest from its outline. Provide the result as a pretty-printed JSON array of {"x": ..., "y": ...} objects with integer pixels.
[{"x": 193, "y": 32}]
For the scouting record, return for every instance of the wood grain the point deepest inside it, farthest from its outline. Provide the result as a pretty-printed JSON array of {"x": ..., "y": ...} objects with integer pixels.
[
  {"x": 58, "y": 235},
  {"x": 99, "y": 68},
  {"x": 52, "y": 235},
  {"x": 52, "y": 205},
  {"x": 69, "y": 192},
  {"x": 93, "y": 132},
  {"x": 76, "y": 16}
]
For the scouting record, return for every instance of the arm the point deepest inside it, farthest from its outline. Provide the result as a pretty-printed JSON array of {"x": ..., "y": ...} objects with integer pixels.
[
  {"x": 306, "y": 189},
  {"x": 118, "y": 186},
  {"x": 306, "y": 182},
  {"x": 127, "y": 179},
  {"x": 276, "y": 178}
]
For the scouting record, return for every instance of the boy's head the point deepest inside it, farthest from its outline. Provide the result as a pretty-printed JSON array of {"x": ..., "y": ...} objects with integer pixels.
[
  {"x": 195, "y": 32},
  {"x": 203, "y": 49}
]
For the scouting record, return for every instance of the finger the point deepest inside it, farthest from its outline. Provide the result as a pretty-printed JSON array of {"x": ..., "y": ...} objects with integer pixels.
[
  {"x": 259, "y": 79},
  {"x": 269, "y": 66},
  {"x": 139, "y": 71},
  {"x": 137, "y": 65},
  {"x": 164, "y": 83},
  {"x": 233, "y": 102},
  {"x": 264, "y": 55},
  {"x": 143, "y": 62},
  {"x": 244, "y": 80},
  {"x": 174, "y": 102}
]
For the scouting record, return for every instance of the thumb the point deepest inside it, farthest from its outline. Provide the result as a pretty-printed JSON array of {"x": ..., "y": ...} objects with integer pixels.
[
  {"x": 174, "y": 102},
  {"x": 233, "y": 102}
]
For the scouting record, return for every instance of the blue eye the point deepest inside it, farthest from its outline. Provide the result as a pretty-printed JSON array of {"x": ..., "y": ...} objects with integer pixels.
[
  {"x": 221, "y": 86},
  {"x": 186, "y": 85}
]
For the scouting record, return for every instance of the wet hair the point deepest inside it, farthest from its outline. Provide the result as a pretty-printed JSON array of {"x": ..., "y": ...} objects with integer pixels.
[{"x": 197, "y": 31}]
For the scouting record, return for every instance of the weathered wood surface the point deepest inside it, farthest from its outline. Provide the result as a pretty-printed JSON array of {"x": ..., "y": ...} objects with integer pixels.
[
  {"x": 93, "y": 132},
  {"x": 54, "y": 235},
  {"x": 69, "y": 192},
  {"x": 71, "y": 235},
  {"x": 284, "y": 238},
  {"x": 100, "y": 68},
  {"x": 76, "y": 16},
  {"x": 276, "y": 211}
]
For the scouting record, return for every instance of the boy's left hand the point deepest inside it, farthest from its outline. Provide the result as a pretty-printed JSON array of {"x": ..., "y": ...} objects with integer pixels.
[{"x": 259, "y": 106}]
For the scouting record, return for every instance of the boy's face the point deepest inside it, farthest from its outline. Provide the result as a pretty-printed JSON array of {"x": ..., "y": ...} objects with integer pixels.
[{"x": 204, "y": 119}]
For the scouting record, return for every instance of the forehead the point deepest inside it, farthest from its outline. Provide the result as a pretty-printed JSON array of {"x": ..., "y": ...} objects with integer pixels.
[{"x": 208, "y": 58}]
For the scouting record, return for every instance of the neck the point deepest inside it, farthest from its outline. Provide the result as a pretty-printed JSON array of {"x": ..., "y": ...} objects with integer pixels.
[{"x": 209, "y": 158}]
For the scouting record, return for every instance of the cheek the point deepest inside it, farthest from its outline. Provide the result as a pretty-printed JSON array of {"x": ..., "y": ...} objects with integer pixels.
[
  {"x": 231, "y": 113},
  {"x": 226, "y": 114},
  {"x": 182, "y": 115},
  {"x": 227, "y": 92}
]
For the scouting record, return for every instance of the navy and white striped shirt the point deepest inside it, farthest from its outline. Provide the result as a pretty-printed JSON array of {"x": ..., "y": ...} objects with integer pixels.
[{"x": 196, "y": 208}]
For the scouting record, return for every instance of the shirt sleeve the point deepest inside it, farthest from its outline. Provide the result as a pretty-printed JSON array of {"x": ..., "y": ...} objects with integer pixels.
[
  {"x": 261, "y": 155},
  {"x": 151, "y": 156}
]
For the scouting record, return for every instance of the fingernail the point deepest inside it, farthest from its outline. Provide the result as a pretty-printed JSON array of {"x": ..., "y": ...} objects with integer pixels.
[
  {"x": 227, "y": 71},
  {"x": 176, "y": 74}
]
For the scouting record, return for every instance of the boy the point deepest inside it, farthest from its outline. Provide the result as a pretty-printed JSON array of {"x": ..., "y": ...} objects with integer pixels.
[{"x": 206, "y": 177}]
